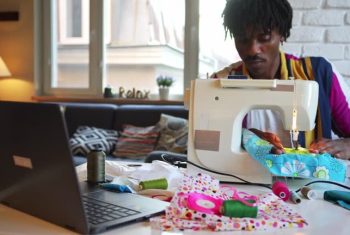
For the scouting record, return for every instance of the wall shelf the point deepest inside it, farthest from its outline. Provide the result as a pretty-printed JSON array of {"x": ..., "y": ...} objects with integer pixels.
[{"x": 105, "y": 100}]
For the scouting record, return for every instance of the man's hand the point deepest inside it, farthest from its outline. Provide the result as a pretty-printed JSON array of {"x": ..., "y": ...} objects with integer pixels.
[
  {"x": 271, "y": 138},
  {"x": 339, "y": 148}
]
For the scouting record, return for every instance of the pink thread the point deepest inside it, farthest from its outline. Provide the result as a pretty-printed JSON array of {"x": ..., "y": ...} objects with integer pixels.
[
  {"x": 240, "y": 196},
  {"x": 281, "y": 190},
  {"x": 204, "y": 203}
]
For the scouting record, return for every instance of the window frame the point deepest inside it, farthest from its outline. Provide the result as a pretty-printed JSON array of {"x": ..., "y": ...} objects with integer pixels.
[
  {"x": 98, "y": 35},
  {"x": 64, "y": 39}
]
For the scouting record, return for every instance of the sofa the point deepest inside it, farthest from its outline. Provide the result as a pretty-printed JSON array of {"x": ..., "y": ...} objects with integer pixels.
[{"x": 115, "y": 117}]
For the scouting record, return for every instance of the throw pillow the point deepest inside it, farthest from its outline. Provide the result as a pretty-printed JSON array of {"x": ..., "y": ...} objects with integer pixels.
[
  {"x": 173, "y": 134},
  {"x": 136, "y": 142},
  {"x": 88, "y": 138}
]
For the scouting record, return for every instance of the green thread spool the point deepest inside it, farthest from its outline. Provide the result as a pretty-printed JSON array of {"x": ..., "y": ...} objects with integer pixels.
[
  {"x": 161, "y": 183},
  {"x": 236, "y": 209}
]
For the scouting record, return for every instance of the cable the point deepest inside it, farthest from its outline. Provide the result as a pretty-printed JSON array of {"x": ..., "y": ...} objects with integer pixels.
[
  {"x": 326, "y": 182},
  {"x": 226, "y": 174},
  {"x": 183, "y": 164}
]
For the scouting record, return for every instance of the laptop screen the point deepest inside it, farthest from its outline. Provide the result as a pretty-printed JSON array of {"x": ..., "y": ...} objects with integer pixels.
[{"x": 36, "y": 167}]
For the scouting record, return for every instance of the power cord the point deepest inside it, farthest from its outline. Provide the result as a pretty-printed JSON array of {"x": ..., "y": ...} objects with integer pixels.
[
  {"x": 183, "y": 164},
  {"x": 325, "y": 182}
]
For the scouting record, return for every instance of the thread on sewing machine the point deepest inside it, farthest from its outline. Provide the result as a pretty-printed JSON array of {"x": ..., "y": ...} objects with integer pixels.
[
  {"x": 237, "y": 209},
  {"x": 308, "y": 193},
  {"x": 161, "y": 183},
  {"x": 294, "y": 197},
  {"x": 281, "y": 190}
]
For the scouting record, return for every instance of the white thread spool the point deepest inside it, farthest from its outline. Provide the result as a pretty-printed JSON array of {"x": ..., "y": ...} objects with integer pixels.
[{"x": 311, "y": 194}]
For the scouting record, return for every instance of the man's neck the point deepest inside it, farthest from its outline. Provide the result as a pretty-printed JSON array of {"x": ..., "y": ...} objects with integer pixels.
[{"x": 276, "y": 68}]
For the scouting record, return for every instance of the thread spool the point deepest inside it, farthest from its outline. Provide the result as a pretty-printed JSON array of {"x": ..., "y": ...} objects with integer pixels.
[
  {"x": 96, "y": 166},
  {"x": 161, "y": 183},
  {"x": 237, "y": 209},
  {"x": 281, "y": 190},
  {"x": 294, "y": 197},
  {"x": 308, "y": 193},
  {"x": 204, "y": 203}
]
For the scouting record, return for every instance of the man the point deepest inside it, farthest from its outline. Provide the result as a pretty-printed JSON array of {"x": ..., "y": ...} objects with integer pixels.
[{"x": 258, "y": 28}]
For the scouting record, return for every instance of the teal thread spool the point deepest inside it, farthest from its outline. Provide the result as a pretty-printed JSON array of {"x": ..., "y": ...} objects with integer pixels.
[
  {"x": 96, "y": 166},
  {"x": 236, "y": 209},
  {"x": 161, "y": 183}
]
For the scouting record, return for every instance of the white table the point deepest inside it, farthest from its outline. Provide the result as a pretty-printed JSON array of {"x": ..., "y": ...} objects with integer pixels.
[{"x": 323, "y": 218}]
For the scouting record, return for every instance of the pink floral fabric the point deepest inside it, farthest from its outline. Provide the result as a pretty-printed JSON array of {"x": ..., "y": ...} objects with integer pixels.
[{"x": 273, "y": 213}]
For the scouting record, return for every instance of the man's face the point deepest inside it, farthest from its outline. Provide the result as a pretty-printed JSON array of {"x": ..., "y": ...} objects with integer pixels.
[{"x": 260, "y": 52}]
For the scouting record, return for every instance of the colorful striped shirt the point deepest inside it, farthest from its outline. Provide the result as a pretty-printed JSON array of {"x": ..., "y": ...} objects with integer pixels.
[{"x": 333, "y": 112}]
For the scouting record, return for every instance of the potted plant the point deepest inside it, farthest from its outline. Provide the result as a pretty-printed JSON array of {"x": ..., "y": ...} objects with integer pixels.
[{"x": 164, "y": 82}]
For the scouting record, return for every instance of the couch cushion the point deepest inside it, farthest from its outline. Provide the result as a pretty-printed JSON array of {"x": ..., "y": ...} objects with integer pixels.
[
  {"x": 81, "y": 114},
  {"x": 87, "y": 138},
  {"x": 145, "y": 115},
  {"x": 173, "y": 134},
  {"x": 136, "y": 142}
]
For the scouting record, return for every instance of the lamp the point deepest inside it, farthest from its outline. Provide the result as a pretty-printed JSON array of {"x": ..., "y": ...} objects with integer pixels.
[{"x": 4, "y": 71}]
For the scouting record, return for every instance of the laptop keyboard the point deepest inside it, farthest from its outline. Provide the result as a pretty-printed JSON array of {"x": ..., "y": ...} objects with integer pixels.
[{"x": 101, "y": 212}]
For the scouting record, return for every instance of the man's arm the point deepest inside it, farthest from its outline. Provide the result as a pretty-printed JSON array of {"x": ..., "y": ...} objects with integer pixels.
[{"x": 340, "y": 109}]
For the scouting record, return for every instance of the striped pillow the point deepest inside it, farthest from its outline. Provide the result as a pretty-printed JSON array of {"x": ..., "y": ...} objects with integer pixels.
[{"x": 136, "y": 142}]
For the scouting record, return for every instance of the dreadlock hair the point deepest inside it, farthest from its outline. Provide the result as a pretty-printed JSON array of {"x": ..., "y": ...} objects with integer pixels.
[{"x": 266, "y": 15}]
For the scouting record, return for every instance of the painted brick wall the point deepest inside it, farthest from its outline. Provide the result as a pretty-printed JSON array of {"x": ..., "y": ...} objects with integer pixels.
[{"x": 322, "y": 28}]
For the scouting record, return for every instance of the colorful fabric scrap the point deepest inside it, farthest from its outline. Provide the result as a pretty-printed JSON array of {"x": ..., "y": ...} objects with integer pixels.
[
  {"x": 273, "y": 213},
  {"x": 292, "y": 164}
]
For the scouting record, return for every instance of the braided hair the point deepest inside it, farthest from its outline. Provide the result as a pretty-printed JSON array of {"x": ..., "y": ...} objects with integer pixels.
[{"x": 266, "y": 15}]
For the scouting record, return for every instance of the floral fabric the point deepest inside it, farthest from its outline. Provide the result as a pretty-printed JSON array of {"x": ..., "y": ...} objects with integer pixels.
[
  {"x": 273, "y": 213},
  {"x": 303, "y": 165}
]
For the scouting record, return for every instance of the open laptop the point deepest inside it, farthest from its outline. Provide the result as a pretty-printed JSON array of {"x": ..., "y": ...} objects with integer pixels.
[{"x": 37, "y": 175}]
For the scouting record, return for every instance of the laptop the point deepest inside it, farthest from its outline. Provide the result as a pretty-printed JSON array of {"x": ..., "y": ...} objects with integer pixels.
[{"x": 37, "y": 174}]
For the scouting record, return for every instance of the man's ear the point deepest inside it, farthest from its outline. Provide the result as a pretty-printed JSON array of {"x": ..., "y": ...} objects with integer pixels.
[{"x": 282, "y": 40}]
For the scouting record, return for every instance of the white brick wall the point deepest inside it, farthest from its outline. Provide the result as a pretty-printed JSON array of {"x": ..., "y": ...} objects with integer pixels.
[
  {"x": 306, "y": 34},
  {"x": 329, "y": 51},
  {"x": 338, "y": 3},
  {"x": 348, "y": 17},
  {"x": 347, "y": 53},
  {"x": 338, "y": 35},
  {"x": 322, "y": 28},
  {"x": 324, "y": 18},
  {"x": 306, "y": 4}
]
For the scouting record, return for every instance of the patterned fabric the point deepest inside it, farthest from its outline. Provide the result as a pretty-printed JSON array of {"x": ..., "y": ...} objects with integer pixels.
[
  {"x": 173, "y": 134},
  {"x": 136, "y": 142},
  {"x": 333, "y": 109},
  {"x": 273, "y": 213},
  {"x": 87, "y": 138},
  {"x": 301, "y": 164}
]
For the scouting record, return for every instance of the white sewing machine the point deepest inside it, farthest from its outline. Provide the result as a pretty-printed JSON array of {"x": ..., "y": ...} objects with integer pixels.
[{"x": 217, "y": 110}]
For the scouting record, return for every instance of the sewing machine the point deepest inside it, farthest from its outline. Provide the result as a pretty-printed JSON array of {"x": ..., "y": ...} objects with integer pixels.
[{"x": 217, "y": 110}]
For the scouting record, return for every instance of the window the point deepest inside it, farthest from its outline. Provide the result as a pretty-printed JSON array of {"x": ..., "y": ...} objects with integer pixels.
[
  {"x": 147, "y": 40},
  {"x": 73, "y": 21},
  {"x": 215, "y": 52},
  {"x": 128, "y": 43}
]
